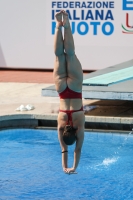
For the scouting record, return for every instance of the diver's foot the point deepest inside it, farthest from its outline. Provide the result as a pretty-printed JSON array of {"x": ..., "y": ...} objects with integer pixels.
[
  {"x": 58, "y": 17},
  {"x": 66, "y": 23}
]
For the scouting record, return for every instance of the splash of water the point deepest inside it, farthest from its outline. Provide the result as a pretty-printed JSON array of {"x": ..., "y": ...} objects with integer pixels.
[
  {"x": 111, "y": 160},
  {"x": 108, "y": 161},
  {"x": 123, "y": 143}
]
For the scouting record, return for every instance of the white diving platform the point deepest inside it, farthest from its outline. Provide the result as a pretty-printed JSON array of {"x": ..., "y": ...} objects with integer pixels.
[{"x": 112, "y": 83}]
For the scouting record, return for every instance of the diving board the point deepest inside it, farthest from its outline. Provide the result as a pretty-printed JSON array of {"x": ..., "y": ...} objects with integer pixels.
[
  {"x": 117, "y": 87},
  {"x": 110, "y": 77}
]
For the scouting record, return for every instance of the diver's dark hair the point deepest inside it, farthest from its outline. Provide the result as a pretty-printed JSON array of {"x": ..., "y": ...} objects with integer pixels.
[{"x": 69, "y": 135}]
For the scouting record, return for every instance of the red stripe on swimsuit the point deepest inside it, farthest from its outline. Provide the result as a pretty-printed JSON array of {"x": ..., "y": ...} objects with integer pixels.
[
  {"x": 70, "y": 94},
  {"x": 69, "y": 114}
]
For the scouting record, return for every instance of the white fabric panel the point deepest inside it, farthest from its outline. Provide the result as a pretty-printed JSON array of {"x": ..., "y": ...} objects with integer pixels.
[{"x": 26, "y": 39}]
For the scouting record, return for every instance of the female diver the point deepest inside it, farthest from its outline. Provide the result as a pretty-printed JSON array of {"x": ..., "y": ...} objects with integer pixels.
[{"x": 68, "y": 77}]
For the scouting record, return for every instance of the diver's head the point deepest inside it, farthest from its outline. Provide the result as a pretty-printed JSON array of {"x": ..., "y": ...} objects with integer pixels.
[{"x": 69, "y": 135}]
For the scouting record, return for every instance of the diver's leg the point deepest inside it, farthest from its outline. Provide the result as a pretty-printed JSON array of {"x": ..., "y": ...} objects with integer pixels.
[
  {"x": 68, "y": 38},
  {"x": 59, "y": 72},
  {"x": 74, "y": 69},
  {"x": 58, "y": 39}
]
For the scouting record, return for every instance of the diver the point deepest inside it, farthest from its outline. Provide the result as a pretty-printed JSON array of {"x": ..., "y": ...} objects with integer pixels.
[{"x": 68, "y": 77}]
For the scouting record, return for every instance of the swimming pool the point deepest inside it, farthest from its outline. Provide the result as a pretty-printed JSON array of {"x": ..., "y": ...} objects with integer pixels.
[{"x": 30, "y": 167}]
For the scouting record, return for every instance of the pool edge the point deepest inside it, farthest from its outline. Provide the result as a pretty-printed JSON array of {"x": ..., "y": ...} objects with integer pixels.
[{"x": 50, "y": 120}]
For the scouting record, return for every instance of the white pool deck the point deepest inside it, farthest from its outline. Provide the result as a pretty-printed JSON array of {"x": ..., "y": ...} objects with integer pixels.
[{"x": 12, "y": 95}]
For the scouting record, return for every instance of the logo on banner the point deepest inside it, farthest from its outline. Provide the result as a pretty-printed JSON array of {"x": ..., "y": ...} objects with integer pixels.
[
  {"x": 86, "y": 17},
  {"x": 127, "y": 6}
]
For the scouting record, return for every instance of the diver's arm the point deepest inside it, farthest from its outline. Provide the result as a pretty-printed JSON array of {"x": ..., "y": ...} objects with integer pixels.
[
  {"x": 64, "y": 160},
  {"x": 77, "y": 151},
  {"x": 64, "y": 149}
]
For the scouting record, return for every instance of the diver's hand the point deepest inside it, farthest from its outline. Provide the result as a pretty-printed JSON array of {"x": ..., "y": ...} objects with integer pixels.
[
  {"x": 65, "y": 170},
  {"x": 69, "y": 171}
]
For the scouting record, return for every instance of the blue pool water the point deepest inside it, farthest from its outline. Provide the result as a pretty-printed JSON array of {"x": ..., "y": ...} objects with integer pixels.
[{"x": 30, "y": 167}]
